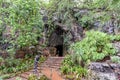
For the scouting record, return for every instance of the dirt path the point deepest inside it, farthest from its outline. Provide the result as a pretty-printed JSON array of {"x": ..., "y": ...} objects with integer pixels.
[{"x": 50, "y": 68}]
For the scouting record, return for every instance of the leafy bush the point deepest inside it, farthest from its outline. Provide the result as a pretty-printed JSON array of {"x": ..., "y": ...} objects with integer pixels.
[
  {"x": 15, "y": 65},
  {"x": 18, "y": 78},
  {"x": 115, "y": 37},
  {"x": 66, "y": 64},
  {"x": 12, "y": 67},
  {"x": 68, "y": 67},
  {"x": 115, "y": 59},
  {"x": 95, "y": 46},
  {"x": 24, "y": 20},
  {"x": 34, "y": 77}
]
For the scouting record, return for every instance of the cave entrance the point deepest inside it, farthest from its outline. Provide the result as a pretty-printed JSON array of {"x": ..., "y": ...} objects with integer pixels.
[
  {"x": 59, "y": 50},
  {"x": 56, "y": 40}
]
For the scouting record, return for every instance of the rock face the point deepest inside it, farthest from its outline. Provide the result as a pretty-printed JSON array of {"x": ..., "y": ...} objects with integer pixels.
[
  {"x": 104, "y": 71},
  {"x": 103, "y": 76},
  {"x": 21, "y": 53},
  {"x": 117, "y": 46},
  {"x": 76, "y": 32},
  {"x": 56, "y": 38},
  {"x": 104, "y": 67}
]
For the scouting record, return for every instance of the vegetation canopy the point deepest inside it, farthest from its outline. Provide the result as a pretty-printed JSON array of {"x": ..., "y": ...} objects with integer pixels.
[{"x": 88, "y": 28}]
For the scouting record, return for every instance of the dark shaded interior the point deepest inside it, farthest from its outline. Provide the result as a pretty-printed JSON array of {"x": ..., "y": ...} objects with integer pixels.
[
  {"x": 59, "y": 50},
  {"x": 56, "y": 40}
]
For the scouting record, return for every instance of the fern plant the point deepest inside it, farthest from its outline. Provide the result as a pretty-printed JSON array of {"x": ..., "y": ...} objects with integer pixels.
[
  {"x": 95, "y": 46},
  {"x": 68, "y": 67}
]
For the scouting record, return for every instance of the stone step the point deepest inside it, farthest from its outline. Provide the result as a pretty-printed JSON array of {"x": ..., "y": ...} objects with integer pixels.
[
  {"x": 51, "y": 65},
  {"x": 31, "y": 71},
  {"x": 27, "y": 73},
  {"x": 25, "y": 76},
  {"x": 44, "y": 65},
  {"x": 56, "y": 57},
  {"x": 56, "y": 61},
  {"x": 39, "y": 68},
  {"x": 59, "y": 62}
]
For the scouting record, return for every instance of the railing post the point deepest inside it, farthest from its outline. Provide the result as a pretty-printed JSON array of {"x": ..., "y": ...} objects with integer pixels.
[{"x": 36, "y": 60}]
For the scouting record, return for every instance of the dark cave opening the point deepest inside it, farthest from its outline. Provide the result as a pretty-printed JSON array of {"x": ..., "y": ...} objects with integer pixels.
[
  {"x": 59, "y": 50},
  {"x": 56, "y": 40}
]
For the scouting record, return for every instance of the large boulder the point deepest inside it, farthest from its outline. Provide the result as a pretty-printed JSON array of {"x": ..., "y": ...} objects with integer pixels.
[
  {"x": 21, "y": 53},
  {"x": 102, "y": 76},
  {"x": 104, "y": 71}
]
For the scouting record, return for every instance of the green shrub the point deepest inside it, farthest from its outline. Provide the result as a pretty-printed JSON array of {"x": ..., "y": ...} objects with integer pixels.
[
  {"x": 115, "y": 37},
  {"x": 12, "y": 67},
  {"x": 24, "y": 20},
  {"x": 34, "y": 77},
  {"x": 15, "y": 65},
  {"x": 68, "y": 67},
  {"x": 18, "y": 78},
  {"x": 115, "y": 59},
  {"x": 66, "y": 64},
  {"x": 95, "y": 46}
]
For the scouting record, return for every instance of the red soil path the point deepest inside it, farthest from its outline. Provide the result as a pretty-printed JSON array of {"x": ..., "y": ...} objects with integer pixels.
[{"x": 50, "y": 68}]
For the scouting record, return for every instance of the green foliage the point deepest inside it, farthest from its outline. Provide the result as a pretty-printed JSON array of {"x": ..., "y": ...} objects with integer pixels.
[
  {"x": 27, "y": 24},
  {"x": 18, "y": 78},
  {"x": 115, "y": 59},
  {"x": 43, "y": 78},
  {"x": 34, "y": 77},
  {"x": 66, "y": 64},
  {"x": 15, "y": 65},
  {"x": 62, "y": 11},
  {"x": 97, "y": 10},
  {"x": 86, "y": 13},
  {"x": 115, "y": 37},
  {"x": 68, "y": 67},
  {"x": 95, "y": 46},
  {"x": 12, "y": 67},
  {"x": 5, "y": 76},
  {"x": 25, "y": 20},
  {"x": 1, "y": 59}
]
